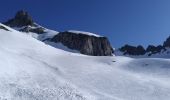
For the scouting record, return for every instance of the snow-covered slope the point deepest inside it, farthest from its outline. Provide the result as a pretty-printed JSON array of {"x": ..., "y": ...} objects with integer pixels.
[
  {"x": 33, "y": 70},
  {"x": 27, "y": 72}
]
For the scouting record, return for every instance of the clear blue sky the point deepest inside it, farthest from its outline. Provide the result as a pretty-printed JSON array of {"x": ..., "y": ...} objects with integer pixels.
[{"x": 122, "y": 21}]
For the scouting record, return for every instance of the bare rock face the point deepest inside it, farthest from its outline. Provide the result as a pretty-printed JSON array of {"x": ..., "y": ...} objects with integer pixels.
[
  {"x": 22, "y": 18},
  {"x": 88, "y": 45}
]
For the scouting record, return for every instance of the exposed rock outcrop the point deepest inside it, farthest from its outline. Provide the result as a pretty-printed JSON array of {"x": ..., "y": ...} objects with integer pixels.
[
  {"x": 4, "y": 28},
  {"x": 132, "y": 50},
  {"x": 22, "y": 18},
  {"x": 89, "y": 45},
  {"x": 25, "y": 23},
  {"x": 38, "y": 30}
]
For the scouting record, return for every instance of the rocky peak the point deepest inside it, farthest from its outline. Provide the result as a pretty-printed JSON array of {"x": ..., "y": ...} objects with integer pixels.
[{"x": 22, "y": 18}]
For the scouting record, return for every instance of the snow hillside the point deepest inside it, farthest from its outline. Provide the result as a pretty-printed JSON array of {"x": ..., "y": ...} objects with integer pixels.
[
  {"x": 33, "y": 70},
  {"x": 25, "y": 71}
]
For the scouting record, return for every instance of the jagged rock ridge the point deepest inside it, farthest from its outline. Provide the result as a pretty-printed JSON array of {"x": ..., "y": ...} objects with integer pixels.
[
  {"x": 150, "y": 50},
  {"x": 132, "y": 50}
]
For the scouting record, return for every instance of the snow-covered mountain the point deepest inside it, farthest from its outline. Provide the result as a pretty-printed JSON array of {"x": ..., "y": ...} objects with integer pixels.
[
  {"x": 160, "y": 51},
  {"x": 76, "y": 41},
  {"x": 31, "y": 69}
]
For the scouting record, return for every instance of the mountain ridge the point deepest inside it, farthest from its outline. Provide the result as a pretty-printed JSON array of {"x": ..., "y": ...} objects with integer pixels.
[
  {"x": 23, "y": 22},
  {"x": 150, "y": 51},
  {"x": 33, "y": 70}
]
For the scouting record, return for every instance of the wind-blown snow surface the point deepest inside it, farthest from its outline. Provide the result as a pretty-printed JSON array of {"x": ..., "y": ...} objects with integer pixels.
[{"x": 32, "y": 70}]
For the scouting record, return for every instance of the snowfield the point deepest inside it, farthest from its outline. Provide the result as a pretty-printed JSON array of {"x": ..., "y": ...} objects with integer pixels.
[{"x": 33, "y": 70}]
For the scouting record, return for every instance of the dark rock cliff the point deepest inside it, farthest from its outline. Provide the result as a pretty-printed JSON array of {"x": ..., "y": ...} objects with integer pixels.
[{"x": 89, "y": 45}]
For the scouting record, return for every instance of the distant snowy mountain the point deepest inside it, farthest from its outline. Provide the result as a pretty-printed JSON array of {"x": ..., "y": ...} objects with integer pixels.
[
  {"x": 83, "y": 42},
  {"x": 162, "y": 51}
]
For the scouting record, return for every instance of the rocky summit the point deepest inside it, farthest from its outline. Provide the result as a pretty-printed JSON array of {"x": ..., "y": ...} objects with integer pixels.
[{"x": 22, "y": 18}]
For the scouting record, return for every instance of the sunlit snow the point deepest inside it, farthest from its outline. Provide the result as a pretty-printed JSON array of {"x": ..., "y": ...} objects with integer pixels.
[{"x": 33, "y": 70}]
